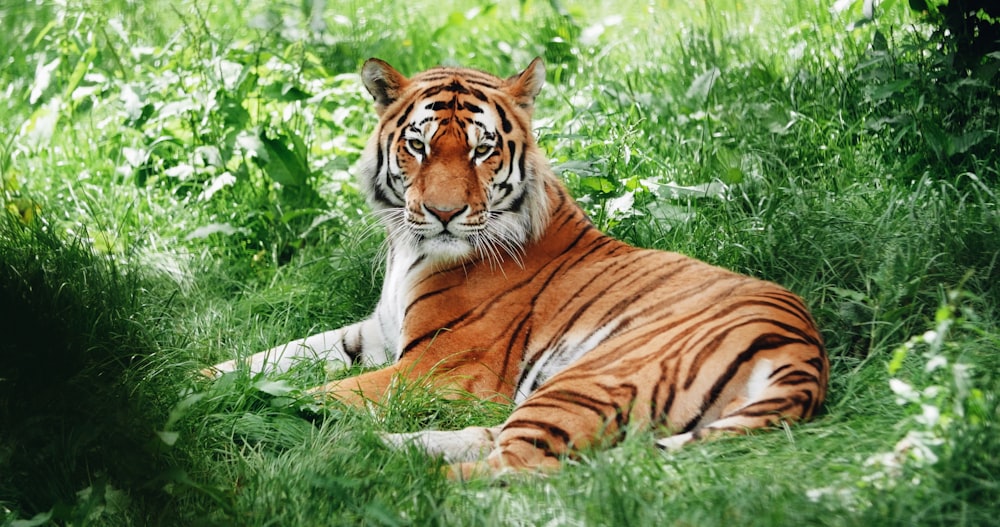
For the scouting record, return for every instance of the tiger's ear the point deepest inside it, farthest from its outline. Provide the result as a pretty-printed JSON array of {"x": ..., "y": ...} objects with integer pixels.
[
  {"x": 383, "y": 82},
  {"x": 524, "y": 87}
]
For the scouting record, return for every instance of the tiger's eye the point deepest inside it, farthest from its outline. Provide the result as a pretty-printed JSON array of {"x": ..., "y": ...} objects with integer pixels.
[
  {"x": 483, "y": 149},
  {"x": 416, "y": 145}
]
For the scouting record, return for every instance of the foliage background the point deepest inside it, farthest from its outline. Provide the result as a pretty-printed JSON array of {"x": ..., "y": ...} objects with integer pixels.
[{"x": 178, "y": 186}]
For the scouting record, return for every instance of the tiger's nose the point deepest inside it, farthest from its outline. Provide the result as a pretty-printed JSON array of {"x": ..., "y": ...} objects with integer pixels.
[{"x": 443, "y": 213}]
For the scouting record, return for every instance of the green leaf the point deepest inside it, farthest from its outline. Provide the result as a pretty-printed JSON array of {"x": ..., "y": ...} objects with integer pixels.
[
  {"x": 168, "y": 438},
  {"x": 961, "y": 144},
  {"x": 898, "y": 356},
  {"x": 851, "y": 294},
  {"x": 884, "y": 91},
  {"x": 285, "y": 92},
  {"x": 702, "y": 85},
  {"x": 600, "y": 184},
  {"x": 943, "y": 313},
  {"x": 275, "y": 388},
  {"x": 455, "y": 20},
  {"x": 212, "y": 228},
  {"x": 581, "y": 168},
  {"x": 80, "y": 70},
  {"x": 284, "y": 165},
  {"x": 937, "y": 140},
  {"x": 181, "y": 408},
  {"x": 732, "y": 176},
  {"x": 300, "y": 149},
  {"x": 233, "y": 113},
  {"x": 42, "y": 518}
]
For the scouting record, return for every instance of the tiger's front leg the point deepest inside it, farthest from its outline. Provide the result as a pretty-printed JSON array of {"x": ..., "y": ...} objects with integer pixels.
[
  {"x": 342, "y": 347},
  {"x": 454, "y": 377},
  {"x": 454, "y": 446}
]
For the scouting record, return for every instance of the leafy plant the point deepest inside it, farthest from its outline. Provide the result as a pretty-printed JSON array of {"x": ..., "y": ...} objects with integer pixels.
[
  {"x": 918, "y": 102},
  {"x": 951, "y": 421},
  {"x": 970, "y": 27},
  {"x": 178, "y": 185}
]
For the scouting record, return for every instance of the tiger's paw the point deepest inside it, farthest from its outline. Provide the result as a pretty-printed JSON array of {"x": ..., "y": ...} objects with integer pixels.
[
  {"x": 471, "y": 470},
  {"x": 675, "y": 442}
]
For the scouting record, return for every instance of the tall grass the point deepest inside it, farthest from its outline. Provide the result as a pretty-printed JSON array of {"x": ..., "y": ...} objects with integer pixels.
[
  {"x": 178, "y": 181},
  {"x": 77, "y": 398}
]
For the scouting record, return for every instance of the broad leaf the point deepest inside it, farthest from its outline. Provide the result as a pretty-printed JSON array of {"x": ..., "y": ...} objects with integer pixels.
[
  {"x": 702, "y": 85},
  {"x": 284, "y": 165}
]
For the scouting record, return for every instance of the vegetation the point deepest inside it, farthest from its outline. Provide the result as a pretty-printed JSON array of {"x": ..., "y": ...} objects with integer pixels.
[{"x": 178, "y": 184}]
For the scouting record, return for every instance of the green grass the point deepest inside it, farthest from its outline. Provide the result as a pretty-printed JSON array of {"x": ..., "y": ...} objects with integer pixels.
[{"x": 180, "y": 192}]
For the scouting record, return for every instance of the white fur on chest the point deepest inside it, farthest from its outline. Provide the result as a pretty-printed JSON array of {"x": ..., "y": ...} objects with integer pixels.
[{"x": 399, "y": 279}]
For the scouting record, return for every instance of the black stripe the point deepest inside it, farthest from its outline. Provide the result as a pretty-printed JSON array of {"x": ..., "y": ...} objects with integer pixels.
[
  {"x": 376, "y": 189},
  {"x": 765, "y": 341},
  {"x": 465, "y": 318},
  {"x": 660, "y": 410},
  {"x": 798, "y": 331},
  {"x": 352, "y": 351},
  {"x": 380, "y": 196},
  {"x": 600, "y": 242},
  {"x": 455, "y": 87},
  {"x": 404, "y": 115},
  {"x": 522, "y": 160},
  {"x": 539, "y": 444},
  {"x": 416, "y": 263},
  {"x": 484, "y": 82},
  {"x": 518, "y": 203},
  {"x": 635, "y": 268},
  {"x": 479, "y": 94},
  {"x": 440, "y": 105},
  {"x": 529, "y": 362},
  {"x": 379, "y": 156},
  {"x": 470, "y": 107},
  {"x": 504, "y": 121},
  {"x": 817, "y": 363},
  {"x": 798, "y": 378},
  {"x": 428, "y": 295},
  {"x": 779, "y": 407},
  {"x": 515, "y": 206},
  {"x": 389, "y": 140},
  {"x": 506, "y": 188},
  {"x": 546, "y": 427},
  {"x": 793, "y": 304},
  {"x": 523, "y": 327},
  {"x": 779, "y": 370}
]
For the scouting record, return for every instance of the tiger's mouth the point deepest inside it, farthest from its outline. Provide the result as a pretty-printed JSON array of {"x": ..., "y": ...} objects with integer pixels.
[
  {"x": 444, "y": 236},
  {"x": 464, "y": 236},
  {"x": 447, "y": 246}
]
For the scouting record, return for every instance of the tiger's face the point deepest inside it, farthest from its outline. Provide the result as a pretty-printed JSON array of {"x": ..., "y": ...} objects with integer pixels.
[{"x": 450, "y": 167}]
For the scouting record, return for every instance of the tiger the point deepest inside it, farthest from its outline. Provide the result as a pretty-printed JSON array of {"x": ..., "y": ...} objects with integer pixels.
[{"x": 498, "y": 286}]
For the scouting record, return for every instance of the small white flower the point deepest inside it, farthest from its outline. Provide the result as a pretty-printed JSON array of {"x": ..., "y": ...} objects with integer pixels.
[
  {"x": 930, "y": 415},
  {"x": 937, "y": 361},
  {"x": 905, "y": 393}
]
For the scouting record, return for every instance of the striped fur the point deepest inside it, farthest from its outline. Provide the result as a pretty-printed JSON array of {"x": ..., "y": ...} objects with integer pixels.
[{"x": 499, "y": 286}]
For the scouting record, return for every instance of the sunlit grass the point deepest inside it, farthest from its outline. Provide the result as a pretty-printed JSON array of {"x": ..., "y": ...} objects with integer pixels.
[{"x": 763, "y": 137}]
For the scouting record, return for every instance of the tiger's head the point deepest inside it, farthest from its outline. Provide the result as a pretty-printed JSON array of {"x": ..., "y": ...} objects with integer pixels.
[{"x": 452, "y": 169}]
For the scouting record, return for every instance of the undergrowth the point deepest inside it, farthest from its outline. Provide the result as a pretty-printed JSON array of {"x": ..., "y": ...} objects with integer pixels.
[{"x": 178, "y": 186}]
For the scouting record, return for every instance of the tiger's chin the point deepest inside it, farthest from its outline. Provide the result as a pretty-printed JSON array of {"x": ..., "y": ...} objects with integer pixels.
[{"x": 446, "y": 248}]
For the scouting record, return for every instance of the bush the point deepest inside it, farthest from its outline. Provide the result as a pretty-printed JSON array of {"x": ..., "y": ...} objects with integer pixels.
[{"x": 970, "y": 28}]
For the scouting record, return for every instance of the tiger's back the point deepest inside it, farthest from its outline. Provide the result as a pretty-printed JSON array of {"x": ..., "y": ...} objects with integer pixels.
[{"x": 498, "y": 285}]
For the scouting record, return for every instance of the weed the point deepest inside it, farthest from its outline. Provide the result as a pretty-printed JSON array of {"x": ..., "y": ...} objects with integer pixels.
[{"x": 177, "y": 181}]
